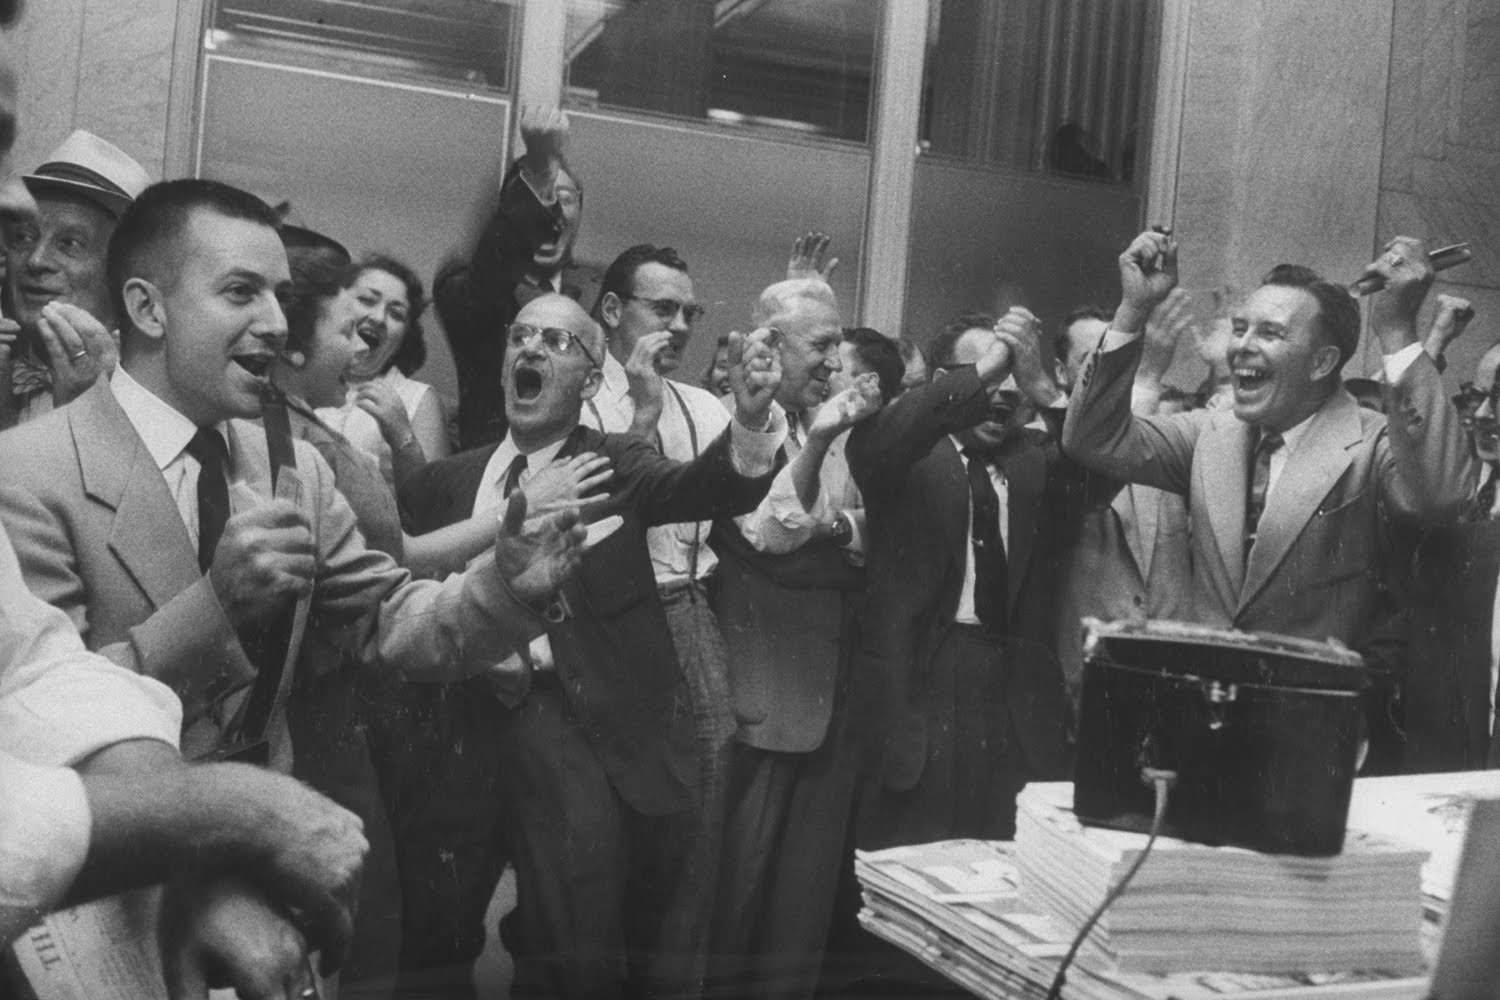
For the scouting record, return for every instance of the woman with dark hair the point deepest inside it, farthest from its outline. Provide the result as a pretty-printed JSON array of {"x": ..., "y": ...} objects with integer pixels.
[
  {"x": 386, "y": 413},
  {"x": 343, "y": 719}
]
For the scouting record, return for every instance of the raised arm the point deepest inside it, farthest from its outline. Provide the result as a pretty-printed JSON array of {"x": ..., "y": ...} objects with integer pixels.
[
  {"x": 1100, "y": 432},
  {"x": 1430, "y": 471}
]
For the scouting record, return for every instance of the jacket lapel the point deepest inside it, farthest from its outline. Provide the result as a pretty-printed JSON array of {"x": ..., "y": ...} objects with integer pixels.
[
  {"x": 1222, "y": 454},
  {"x": 1127, "y": 513},
  {"x": 146, "y": 533},
  {"x": 1311, "y": 470},
  {"x": 953, "y": 518}
]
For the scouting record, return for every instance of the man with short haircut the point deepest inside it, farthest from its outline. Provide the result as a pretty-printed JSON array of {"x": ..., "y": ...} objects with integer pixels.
[
  {"x": 1290, "y": 493},
  {"x": 525, "y": 250},
  {"x": 55, "y": 282},
  {"x": 968, "y": 508},
  {"x": 648, "y": 308},
  {"x": 589, "y": 758},
  {"x": 1129, "y": 560}
]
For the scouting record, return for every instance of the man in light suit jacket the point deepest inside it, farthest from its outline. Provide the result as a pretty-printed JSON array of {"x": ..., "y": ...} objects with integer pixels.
[
  {"x": 1325, "y": 472},
  {"x": 590, "y": 765},
  {"x": 112, "y": 503}
]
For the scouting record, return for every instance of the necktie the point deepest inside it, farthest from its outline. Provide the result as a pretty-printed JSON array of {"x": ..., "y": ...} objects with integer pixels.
[
  {"x": 1260, "y": 479},
  {"x": 207, "y": 446},
  {"x": 990, "y": 570},
  {"x": 513, "y": 475},
  {"x": 1484, "y": 502}
]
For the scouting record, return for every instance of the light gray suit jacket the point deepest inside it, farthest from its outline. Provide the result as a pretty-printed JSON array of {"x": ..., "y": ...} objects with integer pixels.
[
  {"x": 99, "y": 535},
  {"x": 1318, "y": 563}
]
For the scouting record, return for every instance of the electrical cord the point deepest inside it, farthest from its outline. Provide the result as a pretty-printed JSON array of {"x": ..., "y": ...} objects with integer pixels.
[{"x": 1163, "y": 781}]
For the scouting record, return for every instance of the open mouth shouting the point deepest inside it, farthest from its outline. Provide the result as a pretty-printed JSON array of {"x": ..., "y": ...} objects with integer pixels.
[
  {"x": 1249, "y": 378},
  {"x": 258, "y": 364},
  {"x": 526, "y": 383},
  {"x": 369, "y": 333}
]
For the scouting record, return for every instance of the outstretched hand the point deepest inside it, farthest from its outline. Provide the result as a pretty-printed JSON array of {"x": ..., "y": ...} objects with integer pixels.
[
  {"x": 754, "y": 375},
  {"x": 1148, "y": 271},
  {"x": 1169, "y": 322},
  {"x": 810, "y": 258},
  {"x": 1453, "y": 316},
  {"x": 535, "y": 556},
  {"x": 1021, "y": 332},
  {"x": 848, "y": 407},
  {"x": 568, "y": 483}
]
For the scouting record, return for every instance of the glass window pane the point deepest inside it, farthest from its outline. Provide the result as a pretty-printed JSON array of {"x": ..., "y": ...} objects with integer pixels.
[
  {"x": 798, "y": 65},
  {"x": 467, "y": 40},
  {"x": 1060, "y": 86}
]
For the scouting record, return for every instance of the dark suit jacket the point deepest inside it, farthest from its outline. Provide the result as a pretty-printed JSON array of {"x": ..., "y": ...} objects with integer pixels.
[
  {"x": 916, "y": 492},
  {"x": 478, "y": 298},
  {"x": 1445, "y": 687},
  {"x": 614, "y": 652}
]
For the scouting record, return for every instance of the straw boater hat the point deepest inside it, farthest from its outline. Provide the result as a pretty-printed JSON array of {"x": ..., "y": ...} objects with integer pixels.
[{"x": 88, "y": 167}]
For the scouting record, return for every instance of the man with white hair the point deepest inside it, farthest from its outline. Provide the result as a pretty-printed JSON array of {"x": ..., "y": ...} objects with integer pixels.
[
  {"x": 787, "y": 591},
  {"x": 56, "y": 288}
]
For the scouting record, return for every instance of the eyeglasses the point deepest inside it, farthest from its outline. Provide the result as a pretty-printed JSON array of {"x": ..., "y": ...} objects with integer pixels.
[
  {"x": 1470, "y": 397},
  {"x": 558, "y": 340},
  {"x": 668, "y": 309}
]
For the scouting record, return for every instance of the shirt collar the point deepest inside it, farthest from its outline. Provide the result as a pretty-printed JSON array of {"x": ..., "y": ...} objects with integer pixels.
[
  {"x": 1292, "y": 435},
  {"x": 615, "y": 380},
  {"x": 165, "y": 431},
  {"x": 499, "y": 463}
]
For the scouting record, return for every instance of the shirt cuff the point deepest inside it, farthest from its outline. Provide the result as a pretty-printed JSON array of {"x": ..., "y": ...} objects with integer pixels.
[
  {"x": 1395, "y": 365},
  {"x": 754, "y": 452},
  {"x": 44, "y": 834}
]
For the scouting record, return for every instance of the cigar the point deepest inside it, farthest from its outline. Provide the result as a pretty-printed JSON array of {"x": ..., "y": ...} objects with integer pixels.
[{"x": 1441, "y": 259}]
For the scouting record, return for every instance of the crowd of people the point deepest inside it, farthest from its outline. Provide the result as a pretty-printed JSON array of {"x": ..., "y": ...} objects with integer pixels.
[{"x": 280, "y": 637}]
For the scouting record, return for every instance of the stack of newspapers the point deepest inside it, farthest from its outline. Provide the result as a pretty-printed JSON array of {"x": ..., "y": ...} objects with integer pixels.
[
  {"x": 1192, "y": 906},
  {"x": 958, "y": 906}
]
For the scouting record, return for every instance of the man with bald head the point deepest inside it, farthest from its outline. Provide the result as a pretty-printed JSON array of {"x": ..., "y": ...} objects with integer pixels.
[{"x": 588, "y": 758}]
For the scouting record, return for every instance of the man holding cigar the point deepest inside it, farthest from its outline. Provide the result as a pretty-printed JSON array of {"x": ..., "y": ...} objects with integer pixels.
[{"x": 1290, "y": 492}]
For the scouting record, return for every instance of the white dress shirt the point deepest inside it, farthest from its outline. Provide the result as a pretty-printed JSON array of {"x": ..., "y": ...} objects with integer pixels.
[
  {"x": 687, "y": 413},
  {"x": 781, "y": 524},
  {"x": 166, "y": 434},
  {"x": 965, "y": 613}
]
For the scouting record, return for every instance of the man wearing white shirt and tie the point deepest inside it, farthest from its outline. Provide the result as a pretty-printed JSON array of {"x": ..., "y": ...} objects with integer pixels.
[
  {"x": 1290, "y": 494},
  {"x": 591, "y": 762}
]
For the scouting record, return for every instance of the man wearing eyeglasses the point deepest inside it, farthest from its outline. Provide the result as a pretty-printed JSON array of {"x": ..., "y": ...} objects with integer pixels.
[
  {"x": 591, "y": 762},
  {"x": 648, "y": 311},
  {"x": 1448, "y": 696}
]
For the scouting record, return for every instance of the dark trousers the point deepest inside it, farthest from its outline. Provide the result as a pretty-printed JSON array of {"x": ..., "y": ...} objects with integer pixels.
[
  {"x": 443, "y": 782},
  {"x": 785, "y": 845},
  {"x": 974, "y": 766},
  {"x": 594, "y": 877}
]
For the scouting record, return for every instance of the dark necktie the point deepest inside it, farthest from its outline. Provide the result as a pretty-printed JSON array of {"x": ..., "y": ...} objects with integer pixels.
[
  {"x": 1260, "y": 480},
  {"x": 990, "y": 571},
  {"x": 207, "y": 446},
  {"x": 513, "y": 475}
]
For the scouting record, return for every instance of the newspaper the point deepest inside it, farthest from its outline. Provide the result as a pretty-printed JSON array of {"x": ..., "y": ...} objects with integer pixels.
[
  {"x": 99, "y": 951},
  {"x": 956, "y": 906}
]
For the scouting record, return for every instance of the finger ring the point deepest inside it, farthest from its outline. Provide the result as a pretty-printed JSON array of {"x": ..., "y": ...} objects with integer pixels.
[{"x": 78, "y": 354}]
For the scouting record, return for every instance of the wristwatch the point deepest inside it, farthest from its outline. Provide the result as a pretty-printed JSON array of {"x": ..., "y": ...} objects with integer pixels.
[{"x": 841, "y": 531}]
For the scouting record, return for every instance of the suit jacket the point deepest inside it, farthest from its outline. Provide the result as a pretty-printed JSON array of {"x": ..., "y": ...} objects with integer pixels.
[
  {"x": 1318, "y": 564},
  {"x": 98, "y": 535},
  {"x": 613, "y": 651},
  {"x": 916, "y": 491},
  {"x": 478, "y": 298},
  {"x": 1445, "y": 687},
  {"x": 785, "y": 618},
  {"x": 1129, "y": 560}
]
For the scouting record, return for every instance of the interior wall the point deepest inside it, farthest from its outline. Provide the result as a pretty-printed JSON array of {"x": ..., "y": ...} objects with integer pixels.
[
  {"x": 1442, "y": 151},
  {"x": 1282, "y": 134},
  {"x": 101, "y": 65}
]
